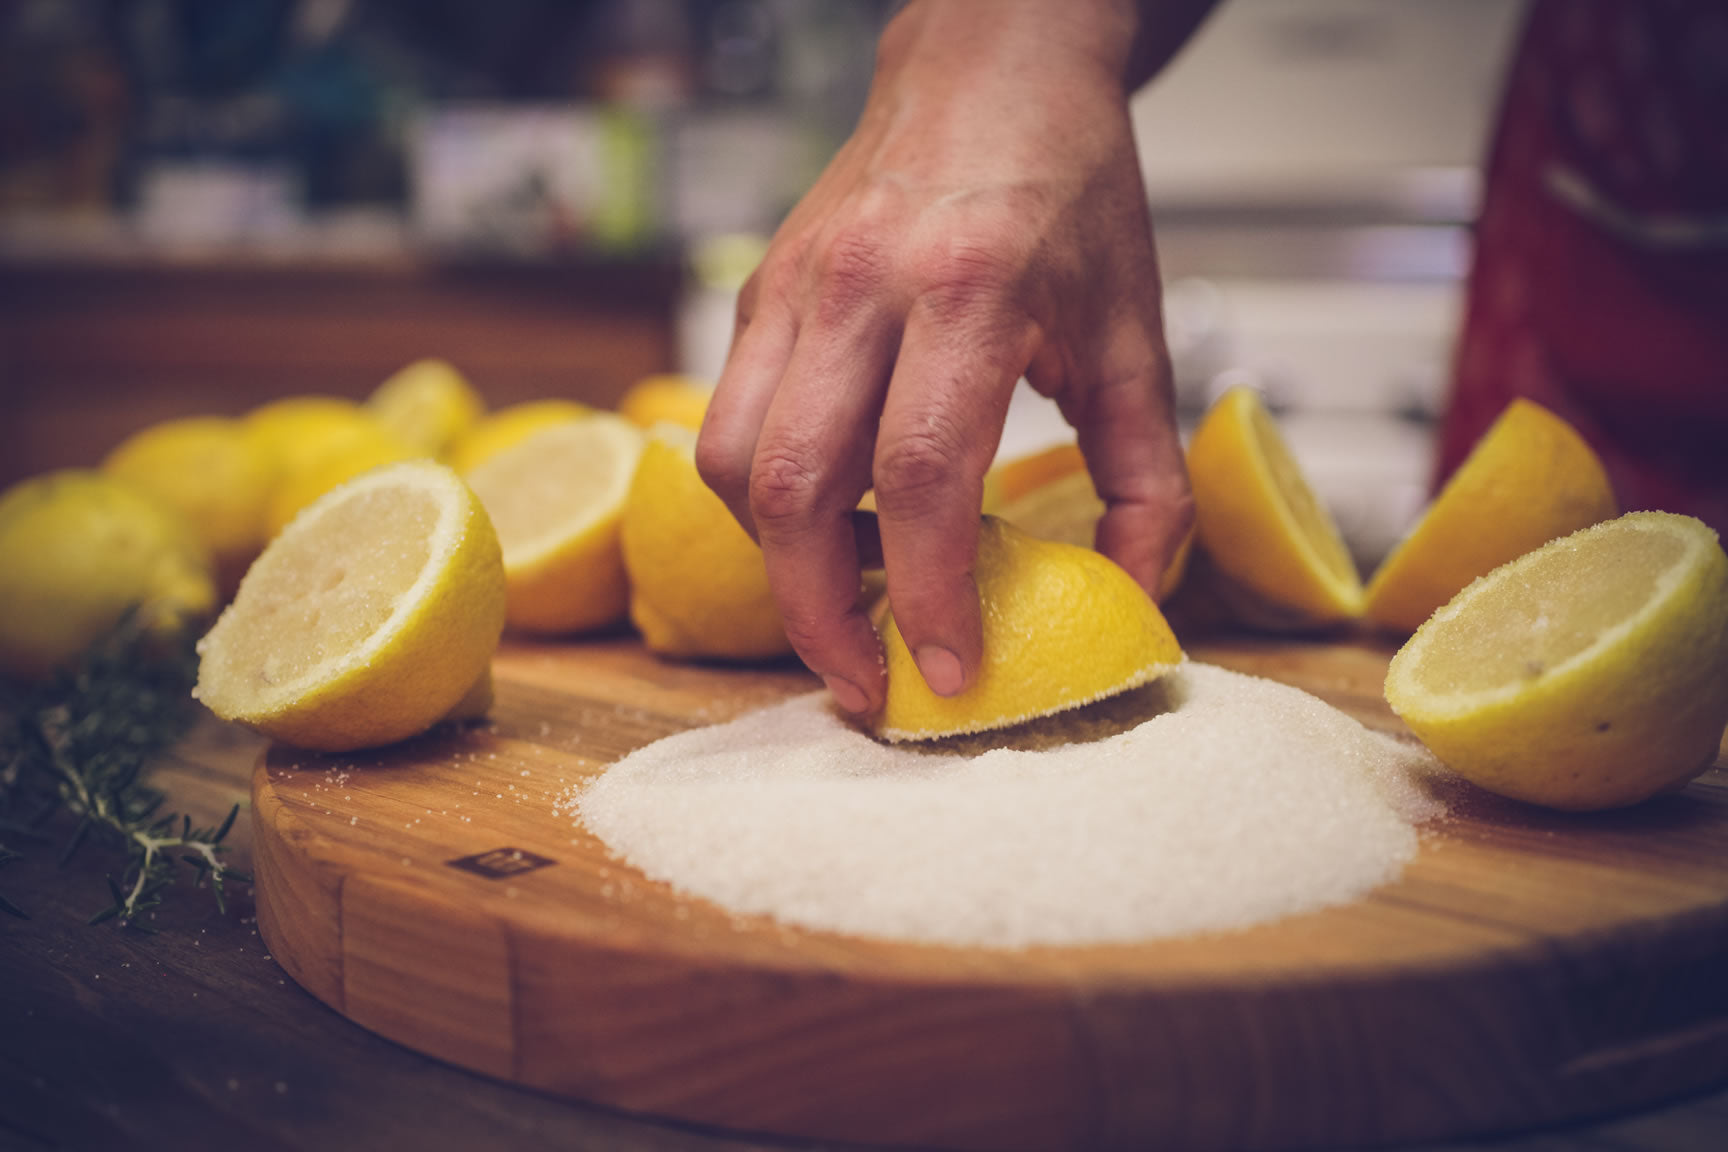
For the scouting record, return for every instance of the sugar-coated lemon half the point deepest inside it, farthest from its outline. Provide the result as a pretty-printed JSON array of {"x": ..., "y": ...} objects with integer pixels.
[
  {"x": 374, "y": 615},
  {"x": 509, "y": 426},
  {"x": 1530, "y": 479},
  {"x": 1589, "y": 673},
  {"x": 557, "y": 499},
  {"x": 1262, "y": 525}
]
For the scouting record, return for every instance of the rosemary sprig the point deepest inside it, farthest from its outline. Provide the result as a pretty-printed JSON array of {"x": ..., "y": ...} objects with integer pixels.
[{"x": 80, "y": 744}]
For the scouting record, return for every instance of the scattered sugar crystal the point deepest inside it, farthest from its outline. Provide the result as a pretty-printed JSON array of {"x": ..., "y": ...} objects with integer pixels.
[{"x": 1223, "y": 802}]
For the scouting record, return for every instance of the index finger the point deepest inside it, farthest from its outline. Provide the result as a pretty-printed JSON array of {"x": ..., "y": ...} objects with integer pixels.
[{"x": 811, "y": 465}]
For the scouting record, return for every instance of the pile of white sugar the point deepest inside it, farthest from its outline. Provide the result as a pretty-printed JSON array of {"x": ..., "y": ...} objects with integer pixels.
[{"x": 1232, "y": 801}]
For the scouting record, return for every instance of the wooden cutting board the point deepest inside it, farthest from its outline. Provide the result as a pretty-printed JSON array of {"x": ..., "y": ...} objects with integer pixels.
[{"x": 1528, "y": 968}]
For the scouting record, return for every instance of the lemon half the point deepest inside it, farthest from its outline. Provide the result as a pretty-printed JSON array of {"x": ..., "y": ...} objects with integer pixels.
[
  {"x": 1063, "y": 626},
  {"x": 669, "y": 398},
  {"x": 371, "y": 617},
  {"x": 698, "y": 583},
  {"x": 1590, "y": 673},
  {"x": 557, "y": 499},
  {"x": 508, "y": 427},
  {"x": 214, "y": 474},
  {"x": 1260, "y": 522},
  {"x": 428, "y": 405},
  {"x": 78, "y": 550},
  {"x": 1529, "y": 480}
]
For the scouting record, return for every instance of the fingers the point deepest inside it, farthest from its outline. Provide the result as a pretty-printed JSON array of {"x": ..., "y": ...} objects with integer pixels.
[
  {"x": 1125, "y": 418},
  {"x": 940, "y": 426},
  {"x": 811, "y": 465},
  {"x": 762, "y": 346}
]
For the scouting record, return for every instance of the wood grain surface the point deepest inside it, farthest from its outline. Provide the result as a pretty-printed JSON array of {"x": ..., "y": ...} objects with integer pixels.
[{"x": 1529, "y": 968}]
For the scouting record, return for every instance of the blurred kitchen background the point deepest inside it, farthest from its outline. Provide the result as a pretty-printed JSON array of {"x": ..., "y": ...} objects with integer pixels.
[{"x": 207, "y": 203}]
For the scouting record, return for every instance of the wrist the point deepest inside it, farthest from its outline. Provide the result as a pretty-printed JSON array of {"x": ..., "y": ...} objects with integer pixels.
[
  {"x": 1076, "y": 41},
  {"x": 1126, "y": 41}
]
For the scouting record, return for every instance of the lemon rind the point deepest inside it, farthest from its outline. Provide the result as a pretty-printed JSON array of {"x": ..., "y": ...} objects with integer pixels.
[{"x": 1139, "y": 679}]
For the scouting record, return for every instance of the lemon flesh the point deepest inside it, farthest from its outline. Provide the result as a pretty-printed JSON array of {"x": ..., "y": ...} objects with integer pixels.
[
  {"x": 368, "y": 620},
  {"x": 1063, "y": 626},
  {"x": 1589, "y": 673},
  {"x": 78, "y": 550},
  {"x": 698, "y": 583},
  {"x": 557, "y": 498},
  {"x": 1259, "y": 520},
  {"x": 1529, "y": 480},
  {"x": 508, "y": 427}
]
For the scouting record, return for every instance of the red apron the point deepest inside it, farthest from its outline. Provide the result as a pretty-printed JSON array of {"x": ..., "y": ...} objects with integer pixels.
[{"x": 1600, "y": 282}]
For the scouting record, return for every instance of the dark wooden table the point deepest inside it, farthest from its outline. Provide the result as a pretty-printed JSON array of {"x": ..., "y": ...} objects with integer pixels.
[{"x": 194, "y": 1038}]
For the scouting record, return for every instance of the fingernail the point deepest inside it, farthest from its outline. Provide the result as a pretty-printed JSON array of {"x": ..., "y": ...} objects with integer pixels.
[
  {"x": 941, "y": 670},
  {"x": 848, "y": 695}
]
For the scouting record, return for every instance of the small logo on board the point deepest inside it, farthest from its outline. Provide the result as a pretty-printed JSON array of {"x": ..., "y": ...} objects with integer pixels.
[{"x": 501, "y": 862}]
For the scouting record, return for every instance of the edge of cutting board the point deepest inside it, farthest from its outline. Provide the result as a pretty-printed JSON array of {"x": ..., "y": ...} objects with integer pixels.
[{"x": 1529, "y": 968}]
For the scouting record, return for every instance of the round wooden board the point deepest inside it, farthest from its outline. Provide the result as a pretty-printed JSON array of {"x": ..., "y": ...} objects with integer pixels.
[{"x": 1529, "y": 968}]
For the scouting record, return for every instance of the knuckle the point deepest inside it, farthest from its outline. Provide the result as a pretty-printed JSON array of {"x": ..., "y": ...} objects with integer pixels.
[
  {"x": 772, "y": 287},
  {"x": 804, "y": 632},
  {"x": 745, "y": 308},
  {"x": 722, "y": 467},
  {"x": 915, "y": 471},
  {"x": 851, "y": 267},
  {"x": 782, "y": 488},
  {"x": 961, "y": 276}
]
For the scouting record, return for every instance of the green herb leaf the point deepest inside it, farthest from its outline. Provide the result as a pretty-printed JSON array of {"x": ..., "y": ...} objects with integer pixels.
[{"x": 82, "y": 744}]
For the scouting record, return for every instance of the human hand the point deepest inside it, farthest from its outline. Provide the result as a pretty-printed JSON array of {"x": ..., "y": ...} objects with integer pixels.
[{"x": 986, "y": 220}]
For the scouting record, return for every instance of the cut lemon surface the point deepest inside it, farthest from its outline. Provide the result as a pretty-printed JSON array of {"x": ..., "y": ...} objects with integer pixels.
[
  {"x": 1529, "y": 480},
  {"x": 698, "y": 583},
  {"x": 1262, "y": 525},
  {"x": 1590, "y": 673},
  {"x": 428, "y": 405},
  {"x": 371, "y": 618},
  {"x": 557, "y": 499},
  {"x": 510, "y": 426},
  {"x": 1063, "y": 626}
]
